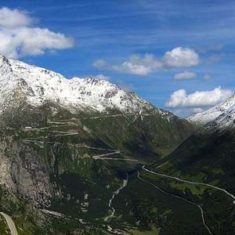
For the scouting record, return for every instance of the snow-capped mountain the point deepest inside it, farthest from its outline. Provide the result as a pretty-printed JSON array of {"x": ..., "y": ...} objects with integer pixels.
[
  {"x": 221, "y": 115},
  {"x": 37, "y": 85}
]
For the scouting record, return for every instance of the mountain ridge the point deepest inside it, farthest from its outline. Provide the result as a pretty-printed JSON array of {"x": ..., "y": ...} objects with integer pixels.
[
  {"x": 40, "y": 85},
  {"x": 219, "y": 116}
]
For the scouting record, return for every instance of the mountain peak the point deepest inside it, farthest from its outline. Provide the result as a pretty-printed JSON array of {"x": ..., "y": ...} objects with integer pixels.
[
  {"x": 40, "y": 85},
  {"x": 221, "y": 115}
]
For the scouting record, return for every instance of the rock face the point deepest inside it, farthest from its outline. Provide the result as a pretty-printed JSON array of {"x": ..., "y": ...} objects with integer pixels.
[
  {"x": 22, "y": 171},
  {"x": 67, "y": 145}
]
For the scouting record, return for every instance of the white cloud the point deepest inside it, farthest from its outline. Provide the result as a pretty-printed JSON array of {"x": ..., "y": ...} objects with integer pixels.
[
  {"x": 181, "y": 57},
  {"x": 185, "y": 75},
  {"x": 14, "y": 18},
  {"x": 148, "y": 63},
  {"x": 134, "y": 65},
  {"x": 198, "y": 99},
  {"x": 19, "y": 37}
]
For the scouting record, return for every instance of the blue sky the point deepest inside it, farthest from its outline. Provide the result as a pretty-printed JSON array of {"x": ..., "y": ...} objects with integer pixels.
[{"x": 115, "y": 31}]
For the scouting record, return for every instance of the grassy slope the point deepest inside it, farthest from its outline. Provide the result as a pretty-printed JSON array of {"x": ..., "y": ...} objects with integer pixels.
[{"x": 205, "y": 157}]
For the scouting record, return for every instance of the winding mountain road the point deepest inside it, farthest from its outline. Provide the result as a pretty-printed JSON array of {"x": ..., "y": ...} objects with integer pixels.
[
  {"x": 10, "y": 223},
  {"x": 187, "y": 182},
  {"x": 191, "y": 182},
  {"x": 179, "y": 197},
  {"x": 105, "y": 157},
  {"x": 95, "y": 157}
]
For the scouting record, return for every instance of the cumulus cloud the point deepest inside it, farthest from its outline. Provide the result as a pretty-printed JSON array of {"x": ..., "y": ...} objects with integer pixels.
[
  {"x": 134, "y": 65},
  {"x": 19, "y": 37},
  {"x": 14, "y": 18},
  {"x": 181, "y": 57},
  {"x": 185, "y": 75},
  {"x": 198, "y": 99},
  {"x": 148, "y": 63}
]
